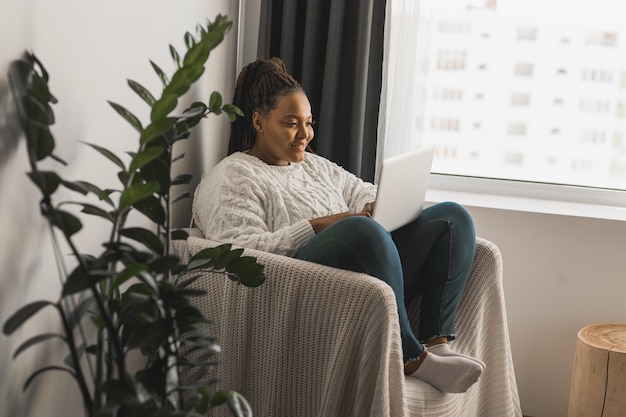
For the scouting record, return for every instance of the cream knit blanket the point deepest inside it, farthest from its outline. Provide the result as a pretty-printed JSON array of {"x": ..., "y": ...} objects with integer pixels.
[{"x": 314, "y": 341}]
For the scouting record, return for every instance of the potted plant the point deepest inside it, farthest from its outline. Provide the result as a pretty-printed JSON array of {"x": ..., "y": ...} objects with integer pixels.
[{"x": 134, "y": 295}]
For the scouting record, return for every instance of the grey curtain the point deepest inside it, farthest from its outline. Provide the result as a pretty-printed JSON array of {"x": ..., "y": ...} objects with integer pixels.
[{"x": 334, "y": 48}]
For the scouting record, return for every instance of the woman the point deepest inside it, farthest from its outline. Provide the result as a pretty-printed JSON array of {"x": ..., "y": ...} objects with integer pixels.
[{"x": 271, "y": 194}]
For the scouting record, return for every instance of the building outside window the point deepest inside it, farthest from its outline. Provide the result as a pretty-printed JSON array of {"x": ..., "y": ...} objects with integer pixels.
[{"x": 524, "y": 90}]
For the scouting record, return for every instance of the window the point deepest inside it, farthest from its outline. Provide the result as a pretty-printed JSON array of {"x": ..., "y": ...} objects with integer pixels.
[
  {"x": 524, "y": 69},
  {"x": 523, "y": 90},
  {"x": 450, "y": 60},
  {"x": 520, "y": 99},
  {"x": 527, "y": 33},
  {"x": 601, "y": 38}
]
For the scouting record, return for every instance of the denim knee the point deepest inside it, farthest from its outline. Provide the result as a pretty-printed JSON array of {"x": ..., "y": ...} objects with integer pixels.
[
  {"x": 455, "y": 214},
  {"x": 364, "y": 229}
]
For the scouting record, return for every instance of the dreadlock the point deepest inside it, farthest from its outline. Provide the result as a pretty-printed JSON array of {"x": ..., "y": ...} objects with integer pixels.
[{"x": 259, "y": 85}]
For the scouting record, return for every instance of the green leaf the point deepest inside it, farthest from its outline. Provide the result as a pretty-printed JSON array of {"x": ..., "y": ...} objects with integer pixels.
[
  {"x": 163, "y": 106},
  {"x": 40, "y": 140},
  {"x": 215, "y": 102},
  {"x": 198, "y": 55},
  {"x": 136, "y": 193},
  {"x": 196, "y": 109},
  {"x": 151, "y": 207},
  {"x": 45, "y": 369},
  {"x": 130, "y": 118},
  {"x": 35, "y": 62},
  {"x": 58, "y": 159},
  {"x": 182, "y": 179},
  {"x": 130, "y": 271},
  {"x": 216, "y": 32},
  {"x": 159, "y": 171},
  {"x": 178, "y": 157},
  {"x": 180, "y": 197},
  {"x": 218, "y": 399},
  {"x": 227, "y": 257},
  {"x": 238, "y": 405},
  {"x": 149, "y": 336},
  {"x": 20, "y": 316},
  {"x": 124, "y": 177},
  {"x": 142, "y": 158},
  {"x": 84, "y": 275},
  {"x": 232, "y": 111},
  {"x": 78, "y": 313},
  {"x": 78, "y": 280},
  {"x": 249, "y": 272},
  {"x": 136, "y": 304},
  {"x": 144, "y": 236},
  {"x": 75, "y": 186},
  {"x": 199, "y": 402},
  {"x": 200, "y": 31},
  {"x": 179, "y": 234},
  {"x": 142, "y": 92},
  {"x": 97, "y": 211},
  {"x": 175, "y": 57},
  {"x": 189, "y": 40},
  {"x": 120, "y": 392},
  {"x": 156, "y": 129},
  {"x": 36, "y": 103},
  {"x": 183, "y": 79},
  {"x": 199, "y": 52},
  {"x": 164, "y": 80},
  {"x": 164, "y": 264},
  {"x": 108, "y": 154},
  {"x": 66, "y": 222},
  {"x": 207, "y": 257},
  {"x": 35, "y": 340},
  {"x": 84, "y": 187},
  {"x": 46, "y": 181}
]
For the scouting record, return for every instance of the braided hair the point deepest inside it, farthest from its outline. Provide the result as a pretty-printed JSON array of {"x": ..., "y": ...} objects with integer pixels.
[{"x": 259, "y": 85}]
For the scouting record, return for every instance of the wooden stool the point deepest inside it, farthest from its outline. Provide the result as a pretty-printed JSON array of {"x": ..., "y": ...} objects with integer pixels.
[{"x": 599, "y": 378}]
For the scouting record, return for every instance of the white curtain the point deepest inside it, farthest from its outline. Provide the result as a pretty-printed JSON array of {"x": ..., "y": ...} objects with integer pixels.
[{"x": 398, "y": 129}]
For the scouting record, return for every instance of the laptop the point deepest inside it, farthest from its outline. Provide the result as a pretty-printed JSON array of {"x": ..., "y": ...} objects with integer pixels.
[{"x": 402, "y": 188}]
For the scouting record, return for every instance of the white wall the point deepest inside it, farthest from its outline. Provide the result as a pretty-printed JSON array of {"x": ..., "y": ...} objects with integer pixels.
[
  {"x": 89, "y": 49},
  {"x": 561, "y": 273}
]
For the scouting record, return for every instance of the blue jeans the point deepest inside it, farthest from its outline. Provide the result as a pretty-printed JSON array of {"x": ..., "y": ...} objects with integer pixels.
[{"x": 431, "y": 256}]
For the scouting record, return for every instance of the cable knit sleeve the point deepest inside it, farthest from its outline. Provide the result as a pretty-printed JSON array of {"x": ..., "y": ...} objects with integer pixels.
[
  {"x": 356, "y": 192},
  {"x": 231, "y": 205}
]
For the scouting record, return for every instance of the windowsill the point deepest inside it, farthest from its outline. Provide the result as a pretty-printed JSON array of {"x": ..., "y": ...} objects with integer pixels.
[{"x": 531, "y": 198}]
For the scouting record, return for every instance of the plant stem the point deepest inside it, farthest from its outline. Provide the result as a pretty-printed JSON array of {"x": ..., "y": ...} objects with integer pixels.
[
  {"x": 88, "y": 403},
  {"x": 106, "y": 317}
]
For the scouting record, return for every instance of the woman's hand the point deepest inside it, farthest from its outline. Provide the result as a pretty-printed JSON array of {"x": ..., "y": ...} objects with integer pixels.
[
  {"x": 322, "y": 223},
  {"x": 369, "y": 208}
]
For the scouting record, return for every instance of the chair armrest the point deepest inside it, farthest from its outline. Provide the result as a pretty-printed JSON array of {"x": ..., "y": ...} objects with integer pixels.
[
  {"x": 312, "y": 340},
  {"x": 482, "y": 332}
]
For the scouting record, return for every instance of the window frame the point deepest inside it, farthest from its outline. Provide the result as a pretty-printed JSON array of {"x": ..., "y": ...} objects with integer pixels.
[{"x": 527, "y": 196}]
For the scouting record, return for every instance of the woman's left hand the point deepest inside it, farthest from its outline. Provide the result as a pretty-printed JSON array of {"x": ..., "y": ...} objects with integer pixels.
[{"x": 369, "y": 208}]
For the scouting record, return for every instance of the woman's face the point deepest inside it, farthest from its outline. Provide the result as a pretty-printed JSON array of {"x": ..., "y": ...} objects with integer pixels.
[{"x": 284, "y": 133}]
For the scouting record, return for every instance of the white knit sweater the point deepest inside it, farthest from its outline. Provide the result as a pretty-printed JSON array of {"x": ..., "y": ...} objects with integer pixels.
[{"x": 248, "y": 203}]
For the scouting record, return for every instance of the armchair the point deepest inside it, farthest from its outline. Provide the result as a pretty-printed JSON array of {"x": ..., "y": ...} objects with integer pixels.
[{"x": 319, "y": 341}]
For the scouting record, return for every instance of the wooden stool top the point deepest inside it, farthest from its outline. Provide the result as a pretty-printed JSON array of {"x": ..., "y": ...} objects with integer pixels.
[{"x": 605, "y": 336}]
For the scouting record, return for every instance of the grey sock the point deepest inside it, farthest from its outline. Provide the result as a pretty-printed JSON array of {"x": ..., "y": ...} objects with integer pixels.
[
  {"x": 443, "y": 349},
  {"x": 453, "y": 374}
]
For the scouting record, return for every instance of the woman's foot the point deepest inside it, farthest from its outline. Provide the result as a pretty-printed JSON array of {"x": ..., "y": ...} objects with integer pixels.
[
  {"x": 443, "y": 349},
  {"x": 412, "y": 365},
  {"x": 450, "y": 374}
]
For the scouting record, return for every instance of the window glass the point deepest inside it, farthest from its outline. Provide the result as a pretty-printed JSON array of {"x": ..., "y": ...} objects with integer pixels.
[{"x": 531, "y": 90}]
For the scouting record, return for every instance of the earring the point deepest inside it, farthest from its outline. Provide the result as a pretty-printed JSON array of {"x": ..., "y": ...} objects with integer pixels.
[{"x": 261, "y": 131}]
